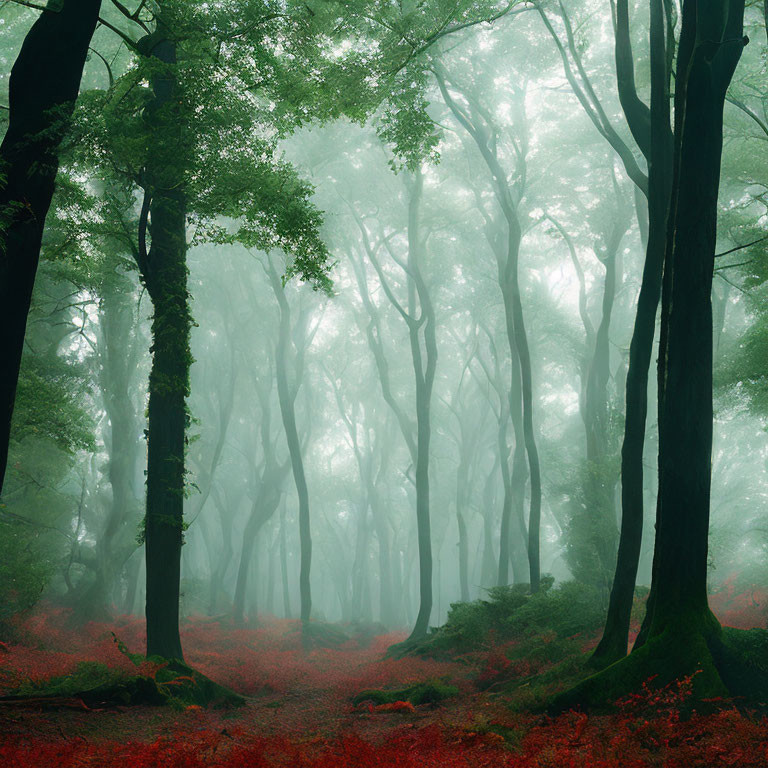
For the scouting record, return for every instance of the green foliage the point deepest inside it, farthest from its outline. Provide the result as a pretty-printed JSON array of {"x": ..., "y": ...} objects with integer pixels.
[
  {"x": 49, "y": 401},
  {"x": 431, "y": 692},
  {"x": 469, "y": 624},
  {"x": 26, "y": 565},
  {"x": 592, "y": 536},
  {"x": 568, "y": 609},
  {"x": 512, "y": 613},
  {"x": 87, "y": 675},
  {"x": 50, "y": 426},
  {"x": 405, "y": 125}
]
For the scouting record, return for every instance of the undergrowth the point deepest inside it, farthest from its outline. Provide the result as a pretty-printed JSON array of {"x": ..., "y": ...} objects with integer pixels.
[{"x": 349, "y": 706}]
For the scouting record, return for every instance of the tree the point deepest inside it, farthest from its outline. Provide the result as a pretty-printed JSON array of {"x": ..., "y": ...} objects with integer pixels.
[
  {"x": 479, "y": 124},
  {"x": 179, "y": 127},
  {"x": 44, "y": 84},
  {"x": 286, "y": 393},
  {"x": 680, "y": 634},
  {"x": 613, "y": 644},
  {"x": 419, "y": 317}
]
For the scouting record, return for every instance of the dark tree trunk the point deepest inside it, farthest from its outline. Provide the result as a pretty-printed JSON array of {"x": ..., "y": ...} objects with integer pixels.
[
  {"x": 681, "y": 635},
  {"x": 165, "y": 275},
  {"x": 710, "y": 49},
  {"x": 613, "y": 644},
  {"x": 43, "y": 86}
]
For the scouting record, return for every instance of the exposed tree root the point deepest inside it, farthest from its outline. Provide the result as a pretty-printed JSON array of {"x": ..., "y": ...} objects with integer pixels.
[
  {"x": 725, "y": 664},
  {"x": 175, "y": 683}
]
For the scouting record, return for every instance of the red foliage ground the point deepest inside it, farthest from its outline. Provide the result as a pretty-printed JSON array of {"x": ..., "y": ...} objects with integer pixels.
[
  {"x": 300, "y": 712},
  {"x": 740, "y": 608}
]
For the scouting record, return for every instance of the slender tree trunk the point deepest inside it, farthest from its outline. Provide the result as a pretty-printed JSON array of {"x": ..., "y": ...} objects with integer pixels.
[
  {"x": 132, "y": 573},
  {"x": 519, "y": 339},
  {"x": 287, "y": 400},
  {"x": 359, "y": 573},
  {"x": 117, "y": 358},
  {"x": 223, "y": 559},
  {"x": 43, "y": 86},
  {"x": 117, "y": 367},
  {"x": 287, "y": 613},
  {"x": 681, "y": 636},
  {"x": 462, "y": 495},
  {"x": 507, "y": 260},
  {"x": 613, "y": 644},
  {"x": 488, "y": 569},
  {"x": 425, "y": 376},
  {"x": 269, "y": 604},
  {"x": 521, "y": 403},
  {"x": 387, "y": 614},
  {"x": 262, "y": 510}
]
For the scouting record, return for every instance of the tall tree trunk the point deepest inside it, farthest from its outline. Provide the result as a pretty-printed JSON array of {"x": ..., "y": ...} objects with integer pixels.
[
  {"x": 710, "y": 47},
  {"x": 462, "y": 496},
  {"x": 287, "y": 399},
  {"x": 507, "y": 261},
  {"x": 359, "y": 573},
  {"x": 132, "y": 575},
  {"x": 425, "y": 377},
  {"x": 117, "y": 357},
  {"x": 222, "y": 559},
  {"x": 165, "y": 274},
  {"x": 488, "y": 569},
  {"x": 43, "y": 86},
  {"x": 613, "y": 644},
  {"x": 421, "y": 332},
  {"x": 681, "y": 635}
]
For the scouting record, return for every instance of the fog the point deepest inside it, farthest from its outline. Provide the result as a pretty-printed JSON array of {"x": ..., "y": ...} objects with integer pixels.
[{"x": 410, "y": 325}]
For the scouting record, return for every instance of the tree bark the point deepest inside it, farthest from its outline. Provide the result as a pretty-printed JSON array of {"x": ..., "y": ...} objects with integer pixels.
[
  {"x": 681, "y": 636},
  {"x": 43, "y": 87},
  {"x": 165, "y": 274},
  {"x": 424, "y": 366},
  {"x": 710, "y": 47},
  {"x": 613, "y": 644}
]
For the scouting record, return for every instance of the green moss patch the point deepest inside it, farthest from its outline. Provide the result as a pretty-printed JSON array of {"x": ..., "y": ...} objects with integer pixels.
[{"x": 431, "y": 692}]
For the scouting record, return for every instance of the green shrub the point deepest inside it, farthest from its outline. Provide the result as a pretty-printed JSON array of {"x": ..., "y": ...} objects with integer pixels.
[{"x": 511, "y": 613}]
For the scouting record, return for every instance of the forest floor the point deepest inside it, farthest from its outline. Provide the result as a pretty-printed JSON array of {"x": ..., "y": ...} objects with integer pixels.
[{"x": 300, "y": 710}]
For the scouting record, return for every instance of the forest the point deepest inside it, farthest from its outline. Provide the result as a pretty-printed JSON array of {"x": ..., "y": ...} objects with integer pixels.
[{"x": 383, "y": 383}]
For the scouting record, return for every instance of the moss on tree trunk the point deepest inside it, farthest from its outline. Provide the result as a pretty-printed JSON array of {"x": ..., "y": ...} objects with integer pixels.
[{"x": 680, "y": 635}]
